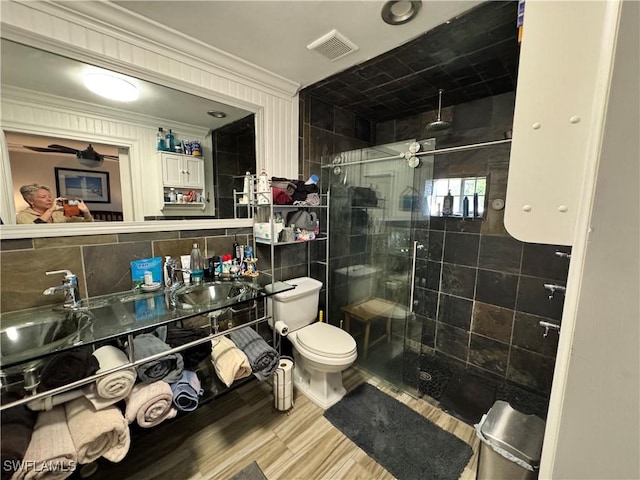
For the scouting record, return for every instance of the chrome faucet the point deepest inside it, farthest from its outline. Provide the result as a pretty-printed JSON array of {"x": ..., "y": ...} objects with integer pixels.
[
  {"x": 70, "y": 286},
  {"x": 173, "y": 278}
]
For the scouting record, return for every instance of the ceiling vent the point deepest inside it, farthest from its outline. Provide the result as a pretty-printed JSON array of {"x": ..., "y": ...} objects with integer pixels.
[{"x": 333, "y": 45}]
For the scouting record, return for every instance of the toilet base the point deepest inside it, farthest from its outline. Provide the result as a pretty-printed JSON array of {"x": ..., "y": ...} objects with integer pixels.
[{"x": 322, "y": 388}]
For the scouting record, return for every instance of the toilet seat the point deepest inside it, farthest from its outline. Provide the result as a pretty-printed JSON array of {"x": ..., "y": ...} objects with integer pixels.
[{"x": 326, "y": 340}]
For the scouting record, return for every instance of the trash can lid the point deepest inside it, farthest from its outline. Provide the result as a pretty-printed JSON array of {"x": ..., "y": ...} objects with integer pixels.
[{"x": 515, "y": 432}]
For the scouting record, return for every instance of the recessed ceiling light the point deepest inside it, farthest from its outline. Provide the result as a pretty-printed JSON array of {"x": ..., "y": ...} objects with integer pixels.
[
  {"x": 111, "y": 87},
  {"x": 216, "y": 114},
  {"x": 397, "y": 12}
]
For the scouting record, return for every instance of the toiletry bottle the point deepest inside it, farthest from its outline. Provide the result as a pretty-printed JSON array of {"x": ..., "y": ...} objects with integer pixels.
[
  {"x": 465, "y": 207},
  {"x": 236, "y": 249},
  {"x": 447, "y": 204},
  {"x": 173, "y": 198},
  {"x": 196, "y": 264},
  {"x": 160, "y": 140},
  {"x": 170, "y": 141},
  {"x": 475, "y": 205}
]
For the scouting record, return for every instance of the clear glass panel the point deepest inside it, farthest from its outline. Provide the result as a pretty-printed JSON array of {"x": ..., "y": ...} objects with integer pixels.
[{"x": 372, "y": 206}]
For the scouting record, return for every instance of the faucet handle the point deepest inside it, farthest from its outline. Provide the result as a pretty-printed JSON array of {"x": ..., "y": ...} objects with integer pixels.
[{"x": 67, "y": 273}]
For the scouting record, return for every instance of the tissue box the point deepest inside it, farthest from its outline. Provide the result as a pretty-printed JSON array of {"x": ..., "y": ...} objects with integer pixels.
[
  {"x": 138, "y": 267},
  {"x": 263, "y": 230}
]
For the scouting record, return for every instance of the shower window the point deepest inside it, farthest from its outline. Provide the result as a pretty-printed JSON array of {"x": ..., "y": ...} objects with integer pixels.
[{"x": 436, "y": 190}]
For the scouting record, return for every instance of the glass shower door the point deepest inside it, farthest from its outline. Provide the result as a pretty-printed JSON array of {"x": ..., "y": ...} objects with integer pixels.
[{"x": 375, "y": 202}]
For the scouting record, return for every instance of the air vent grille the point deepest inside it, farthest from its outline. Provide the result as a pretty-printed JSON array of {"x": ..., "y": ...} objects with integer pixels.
[{"x": 333, "y": 45}]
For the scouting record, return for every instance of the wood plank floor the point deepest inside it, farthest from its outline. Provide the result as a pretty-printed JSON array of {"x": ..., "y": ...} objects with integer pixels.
[{"x": 222, "y": 437}]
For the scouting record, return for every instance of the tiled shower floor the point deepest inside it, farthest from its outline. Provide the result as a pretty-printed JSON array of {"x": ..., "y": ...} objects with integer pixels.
[{"x": 461, "y": 393}]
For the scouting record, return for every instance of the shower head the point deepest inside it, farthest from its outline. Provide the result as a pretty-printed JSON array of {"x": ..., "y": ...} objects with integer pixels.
[{"x": 439, "y": 124}]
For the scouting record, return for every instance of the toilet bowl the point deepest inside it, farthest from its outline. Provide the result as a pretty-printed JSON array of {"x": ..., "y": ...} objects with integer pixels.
[{"x": 321, "y": 351}]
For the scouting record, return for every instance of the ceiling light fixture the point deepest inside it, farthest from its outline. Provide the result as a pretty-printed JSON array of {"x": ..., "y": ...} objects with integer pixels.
[
  {"x": 398, "y": 12},
  {"x": 216, "y": 114},
  {"x": 111, "y": 87}
]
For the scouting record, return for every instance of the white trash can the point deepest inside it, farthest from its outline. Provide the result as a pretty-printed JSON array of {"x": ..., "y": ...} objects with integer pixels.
[{"x": 511, "y": 444}]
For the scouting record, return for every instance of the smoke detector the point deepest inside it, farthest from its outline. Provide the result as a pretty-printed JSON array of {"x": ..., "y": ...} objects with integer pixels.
[{"x": 333, "y": 45}]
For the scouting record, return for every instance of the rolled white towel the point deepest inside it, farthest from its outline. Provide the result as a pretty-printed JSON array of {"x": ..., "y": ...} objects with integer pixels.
[
  {"x": 97, "y": 433},
  {"x": 51, "y": 453},
  {"x": 115, "y": 386},
  {"x": 150, "y": 404}
]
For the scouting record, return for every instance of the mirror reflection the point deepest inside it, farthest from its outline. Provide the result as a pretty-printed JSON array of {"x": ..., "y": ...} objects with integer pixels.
[{"x": 128, "y": 160}]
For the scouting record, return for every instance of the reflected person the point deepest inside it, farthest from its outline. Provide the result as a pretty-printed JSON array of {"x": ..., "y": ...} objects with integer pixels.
[{"x": 43, "y": 208}]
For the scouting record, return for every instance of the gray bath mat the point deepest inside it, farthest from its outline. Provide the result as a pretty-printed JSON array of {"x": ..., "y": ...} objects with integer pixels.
[
  {"x": 405, "y": 443},
  {"x": 250, "y": 472}
]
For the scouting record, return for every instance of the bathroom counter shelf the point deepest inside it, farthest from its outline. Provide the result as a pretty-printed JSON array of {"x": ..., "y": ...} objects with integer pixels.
[{"x": 117, "y": 318}]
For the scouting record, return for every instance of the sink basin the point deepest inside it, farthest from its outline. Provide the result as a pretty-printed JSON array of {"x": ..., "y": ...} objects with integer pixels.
[
  {"x": 211, "y": 295},
  {"x": 25, "y": 335}
]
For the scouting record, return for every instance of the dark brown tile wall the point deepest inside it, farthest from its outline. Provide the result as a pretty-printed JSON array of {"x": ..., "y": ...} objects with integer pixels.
[{"x": 101, "y": 262}]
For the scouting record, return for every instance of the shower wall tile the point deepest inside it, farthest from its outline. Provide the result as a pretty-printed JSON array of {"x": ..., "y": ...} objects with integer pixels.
[
  {"x": 438, "y": 223},
  {"x": 458, "y": 280},
  {"x": 427, "y": 305},
  {"x": 529, "y": 335},
  {"x": 541, "y": 261},
  {"x": 409, "y": 128},
  {"x": 455, "y": 311},
  {"x": 428, "y": 332},
  {"x": 496, "y": 288},
  {"x": 489, "y": 354},
  {"x": 500, "y": 253},
  {"x": 452, "y": 341},
  {"x": 492, "y": 321},
  {"x": 436, "y": 246},
  {"x": 461, "y": 248},
  {"x": 385, "y": 132},
  {"x": 321, "y": 114},
  {"x": 530, "y": 369},
  {"x": 320, "y": 144},
  {"x": 433, "y": 275},
  {"x": 463, "y": 225},
  {"x": 344, "y": 122},
  {"x": 363, "y": 130},
  {"x": 534, "y": 298}
]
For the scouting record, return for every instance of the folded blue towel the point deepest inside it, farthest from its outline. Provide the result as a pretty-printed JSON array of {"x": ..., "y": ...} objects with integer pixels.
[
  {"x": 262, "y": 358},
  {"x": 186, "y": 391}
]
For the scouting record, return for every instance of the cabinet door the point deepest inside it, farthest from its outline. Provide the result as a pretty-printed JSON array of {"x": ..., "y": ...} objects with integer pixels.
[
  {"x": 194, "y": 172},
  {"x": 172, "y": 170}
]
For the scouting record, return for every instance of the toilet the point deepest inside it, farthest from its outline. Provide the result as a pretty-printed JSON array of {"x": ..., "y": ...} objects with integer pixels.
[{"x": 321, "y": 351}]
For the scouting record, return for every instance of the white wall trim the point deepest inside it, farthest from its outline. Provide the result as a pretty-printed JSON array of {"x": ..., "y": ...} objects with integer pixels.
[{"x": 108, "y": 36}]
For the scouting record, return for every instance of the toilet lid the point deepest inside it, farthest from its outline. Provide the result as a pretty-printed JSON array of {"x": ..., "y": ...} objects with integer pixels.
[{"x": 327, "y": 340}]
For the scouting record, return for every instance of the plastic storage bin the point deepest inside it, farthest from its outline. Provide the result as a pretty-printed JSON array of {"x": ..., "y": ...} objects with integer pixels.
[{"x": 511, "y": 444}]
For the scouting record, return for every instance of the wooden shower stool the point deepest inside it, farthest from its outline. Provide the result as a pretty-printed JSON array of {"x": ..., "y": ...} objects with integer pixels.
[{"x": 365, "y": 312}]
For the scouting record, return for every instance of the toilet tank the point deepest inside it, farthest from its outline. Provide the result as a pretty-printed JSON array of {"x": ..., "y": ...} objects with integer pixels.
[
  {"x": 298, "y": 307},
  {"x": 359, "y": 280}
]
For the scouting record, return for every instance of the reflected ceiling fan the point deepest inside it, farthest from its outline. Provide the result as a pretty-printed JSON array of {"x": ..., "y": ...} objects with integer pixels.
[{"x": 87, "y": 157}]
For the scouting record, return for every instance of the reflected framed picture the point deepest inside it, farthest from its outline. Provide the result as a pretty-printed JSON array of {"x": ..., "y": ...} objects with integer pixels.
[{"x": 90, "y": 186}]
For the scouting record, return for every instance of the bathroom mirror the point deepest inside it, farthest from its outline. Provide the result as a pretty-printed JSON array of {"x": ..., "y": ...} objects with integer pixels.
[{"x": 49, "y": 90}]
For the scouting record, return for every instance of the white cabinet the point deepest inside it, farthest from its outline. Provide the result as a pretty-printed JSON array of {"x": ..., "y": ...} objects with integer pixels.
[
  {"x": 182, "y": 171},
  {"x": 563, "y": 84}
]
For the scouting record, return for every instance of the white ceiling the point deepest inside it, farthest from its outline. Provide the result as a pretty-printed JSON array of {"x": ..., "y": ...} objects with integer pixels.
[{"x": 274, "y": 34}]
